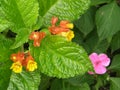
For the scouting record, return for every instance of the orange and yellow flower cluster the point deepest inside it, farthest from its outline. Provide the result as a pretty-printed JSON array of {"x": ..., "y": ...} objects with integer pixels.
[
  {"x": 20, "y": 60},
  {"x": 62, "y": 29}
]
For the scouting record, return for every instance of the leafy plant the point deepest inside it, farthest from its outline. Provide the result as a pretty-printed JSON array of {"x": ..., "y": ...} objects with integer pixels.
[{"x": 47, "y": 44}]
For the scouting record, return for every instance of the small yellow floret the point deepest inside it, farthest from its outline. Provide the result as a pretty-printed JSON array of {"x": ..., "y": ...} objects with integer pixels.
[
  {"x": 16, "y": 67},
  {"x": 31, "y": 65},
  {"x": 68, "y": 35},
  {"x": 70, "y": 25}
]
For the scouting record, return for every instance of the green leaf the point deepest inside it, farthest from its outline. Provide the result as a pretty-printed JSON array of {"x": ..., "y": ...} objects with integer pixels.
[
  {"x": 86, "y": 22},
  {"x": 4, "y": 24},
  {"x": 79, "y": 80},
  {"x": 5, "y": 51},
  {"x": 5, "y": 61},
  {"x": 24, "y": 81},
  {"x": 107, "y": 20},
  {"x": 46, "y": 31},
  {"x": 115, "y": 43},
  {"x": 5, "y": 73},
  {"x": 78, "y": 36},
  {"x": 115, "y": 65},
  {"x": 38, "y": 24},
  {"x": 22, "y": 13},
  {"x": 64, "y": 9},
  {"x": 58, "y": 58},
  {"x": 61, "y": 85},
  {"x": 45, "y": 82},
  {"x": 96, "y": 2},
  {"x": 93, "y": 44},
  {"x": 21, "y": 38},
  {"x": 115, "y": 83}
]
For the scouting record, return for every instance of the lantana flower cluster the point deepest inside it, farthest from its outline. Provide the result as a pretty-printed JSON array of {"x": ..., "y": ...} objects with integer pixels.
[
  {"x": 63, "y": 29},
  {"x": 21, "y": 60},
  {"x": 37, "y": 37}
]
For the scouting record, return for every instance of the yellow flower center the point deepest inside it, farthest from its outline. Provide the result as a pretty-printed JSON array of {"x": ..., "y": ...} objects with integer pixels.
[
  {"x": 31, "y": 65},
  {"x": 35, "y": 36},
  {"x": 14, "y": 58},
  {"x": 16, "y": 67}
]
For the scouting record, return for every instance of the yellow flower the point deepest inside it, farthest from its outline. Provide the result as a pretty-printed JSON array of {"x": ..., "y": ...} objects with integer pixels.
[
  {"x": 70, "y": 25},
  {"x": 69, "y": 35},
  {"x": 31, "y": 65},
  {"x": 16, "y": 67}
]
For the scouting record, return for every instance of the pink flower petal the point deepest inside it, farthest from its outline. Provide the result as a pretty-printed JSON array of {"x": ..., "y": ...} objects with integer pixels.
[
  {"x": 94, "y": 58},
  {"x": 90, "y": 72},
  {"x": 100, "y": 69},
  {"x": 105, "y": 61}
]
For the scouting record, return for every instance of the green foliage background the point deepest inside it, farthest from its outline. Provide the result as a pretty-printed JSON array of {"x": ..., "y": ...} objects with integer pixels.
[{"x": 62, "y": 65}]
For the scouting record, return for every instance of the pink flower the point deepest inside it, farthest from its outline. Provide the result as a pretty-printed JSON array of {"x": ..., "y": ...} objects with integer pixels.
[{"x": 100, "y": 62}]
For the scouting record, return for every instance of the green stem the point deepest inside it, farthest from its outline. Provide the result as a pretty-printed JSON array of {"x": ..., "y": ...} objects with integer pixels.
[{"x": 22, "y": 48}]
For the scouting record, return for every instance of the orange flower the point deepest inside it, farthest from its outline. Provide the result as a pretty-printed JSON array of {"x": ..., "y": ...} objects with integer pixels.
[
  {"x": 42, "y": 35},
  {"x": 54, "y": 20},
  {"x": 37, "y": 37},
  {"x": 66, "y": 24},
  {"x": 34, "y": 36},
  {"x": 56, "y": 30},
  {"x": 36, "y": 43},
  {"x": 13, "y": 57},
  {"x": 17, "y": 57}
]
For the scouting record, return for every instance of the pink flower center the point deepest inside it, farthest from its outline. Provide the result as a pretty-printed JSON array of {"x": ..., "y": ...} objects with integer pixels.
[{"x": 97, "y": 63}]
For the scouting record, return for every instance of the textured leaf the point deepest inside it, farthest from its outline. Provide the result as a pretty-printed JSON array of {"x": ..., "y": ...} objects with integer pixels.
[
  {"x": 115, "y": 84},
  {"x": 64, "y": 9},
  {"x": 22, "y": 13},
  {"x": 24, "y": 81},
  {"x": 115, "y": 65},
  {"x": 21, "y": 38},
  {"x": 96, "y": 2},
  {"x": 115, "y": 43},
  {"x": 59, "y": 58},
  {"x": 86, "y": 22},
  {"x": 4, "y": 24},
  {"x": 107, "y": 20}
]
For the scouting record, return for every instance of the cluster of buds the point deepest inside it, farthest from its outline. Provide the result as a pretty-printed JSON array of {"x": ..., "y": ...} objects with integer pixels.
[
  {"x": 37, "y": 37},
  {"x": 20, "y": 60},
  {"x": 62, "y": 29}
]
